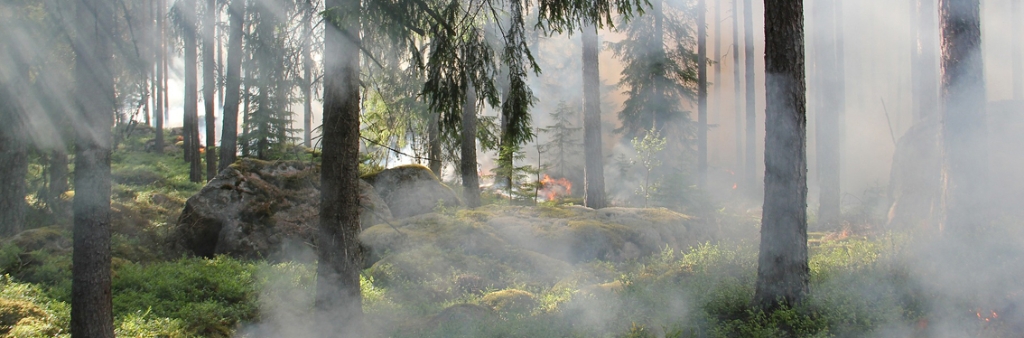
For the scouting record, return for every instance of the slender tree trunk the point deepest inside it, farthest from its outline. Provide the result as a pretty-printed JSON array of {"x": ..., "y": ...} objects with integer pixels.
[
  {"x": 434, "y": 145},
  {"x": 1018, "y": 63},
  {"x": 191, "y": 111},
  {"x": 827, "y": 113},
  {"x": 470, "y": 176},
  {"x": 925, "y": 61},
  {"x": 91, "y": 299},
  {"x": 229, "y": 134},
  {"x": 749, "y": 172},
  {"x": 161, "y": 56},
  {"x": 736, "y": 83},
  {"x": 783, "y": 275},
  {"x": 307, "y": 77},
  {"x": 717, "y": 85},
  {"x": 210, "y": 86},
  {"x": 964, "y": 127},
  {"x": 702, "y": 95},
  {"x": 593, "y": 186},
  {"x": 338, "y": 298}
]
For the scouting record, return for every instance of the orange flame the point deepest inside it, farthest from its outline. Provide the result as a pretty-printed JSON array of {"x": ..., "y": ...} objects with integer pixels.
[
  {"x": 553, "y": 188},
  {"x": 734, "y": 186}
]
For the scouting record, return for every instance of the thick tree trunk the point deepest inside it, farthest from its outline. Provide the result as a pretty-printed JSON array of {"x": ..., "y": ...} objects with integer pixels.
[
  {"x": 91, "y": 300},
  {"x": 210, "y": 85},
  {"x": 702, "y": 95},
  {"x": 737, "y": 92},
  {"x": 13, "y": 163},
  {"x": 229, "y": 134},
  {"x": 338, "y": 297},
  {"x": 783, "y": 275},
  {"x": 434, "y": 145},
  {"x": 750, "y": 168},
  {"x": 191, "y": 111},
  {"x": 827, "y": 114},
  {"x": 924, "y": 65},
  {"x": 470, "y": 176},
  {"x": 594, "y": 159},
  {"x": 964, "y": 128}
]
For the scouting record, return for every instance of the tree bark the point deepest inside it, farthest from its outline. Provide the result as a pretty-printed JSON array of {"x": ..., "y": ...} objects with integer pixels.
[
  {"x": 434, "y": 145},
  {"x": 964, "y": 127},
  {"x": 307, "y": 76},
  {"x": 702, "y": 95},
  {"x": 13, "y": 162},
  {"x": 470, "y": 175},
  {"x": 737, "y": 92},
  {"x": 161, "y": 56},
  {"x": 210, "y": 85},
  {"x": 91, "y": 299},
  {"x": 593, "y": 186},
  {"x": 783, "y": 275},
  {"x": 749, "y": 172},
  {"x": 717, "y": 85},
  {"x": 191, "y": 111},
  {"x": 924, "y": 65},
  {"x": 827, "y": 112},
  {"x": 229, "y": 134},
  {"x": 338, "y": 297},
  {"x": 58, "y": 184},
  {"x": 1018, "y": 63}
]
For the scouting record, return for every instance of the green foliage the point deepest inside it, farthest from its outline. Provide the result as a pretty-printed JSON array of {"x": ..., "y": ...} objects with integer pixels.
[
  {"x": 209, "y": 296},
  {"x": 648, "y": 154},
  {"x": 565, "y": 141},
  {"x": 519, "y": 181},
  {"x": 659, "y": 71}
]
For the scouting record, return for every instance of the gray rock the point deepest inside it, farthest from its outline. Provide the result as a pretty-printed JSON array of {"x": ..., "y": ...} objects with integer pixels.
[
  {"x": 412, "y": 190},
  {"x": 255, "y": 209}
]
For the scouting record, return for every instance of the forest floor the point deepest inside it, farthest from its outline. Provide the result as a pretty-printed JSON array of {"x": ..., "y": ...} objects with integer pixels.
[{"x": 865, "y": 281}]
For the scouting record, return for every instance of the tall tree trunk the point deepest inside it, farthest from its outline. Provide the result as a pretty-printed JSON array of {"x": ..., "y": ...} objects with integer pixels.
[
  {"x": 470, "y": 176},
  {"x": 964, "y": 127},
  {"x": 702, "y": 95},
  {"x": 783, "y": 275},
  {"x": 210, "y": 85},
  {"x": 1018, "y": 63},
  {"x": 717, "y": 85},
  {"x": 13, "y": 159},
  {"x": 924, "y": 60},
  {"x": 827, "y": 113},
  {"x": 307, "y": 76},
  {"x": 91, "y": 299},
  {"x": 593, "y": 173},
  {"x": 161, "y": 56},
  {"x": 191, "y": 111},
  {"x": 749, "y": 172},
  {"x": 737, "y": 92},
  {"x": 229, "y": 134},
  {"x": 338, "y": 298},
  {"x": 434, "y": 145}
]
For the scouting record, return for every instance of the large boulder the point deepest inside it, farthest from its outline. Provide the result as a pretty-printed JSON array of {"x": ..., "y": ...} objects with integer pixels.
[
  {"x": 254, "y": 209},
  {"x": 412, "y": 190}
]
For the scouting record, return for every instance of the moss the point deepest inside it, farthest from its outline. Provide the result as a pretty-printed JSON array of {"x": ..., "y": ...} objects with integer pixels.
[
  {"x": 510, "y": 301},
  {"x": 140, "y": 176},
  {"x": 14, "y": 311},
  {"x": 40, "y": 238}
]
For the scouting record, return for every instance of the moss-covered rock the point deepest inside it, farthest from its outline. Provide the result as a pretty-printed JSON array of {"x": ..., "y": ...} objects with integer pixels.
[
  {"x": 510, "y": 301},
  {"x": 411, "y": 190},
  {"x": 255, "y": 208}
]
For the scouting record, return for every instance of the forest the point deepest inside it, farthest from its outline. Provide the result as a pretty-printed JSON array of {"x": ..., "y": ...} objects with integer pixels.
[{"x": 511, "y": 168}]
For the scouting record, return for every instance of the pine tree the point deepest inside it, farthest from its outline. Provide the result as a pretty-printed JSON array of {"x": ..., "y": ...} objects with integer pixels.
[
  {"x": 232, "y": 95},
  {"x": 783, "y": 275},
  {"x": 564, "y": 140}
]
